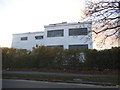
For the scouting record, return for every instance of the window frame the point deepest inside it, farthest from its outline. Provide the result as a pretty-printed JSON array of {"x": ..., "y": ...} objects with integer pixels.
[
  {"x": 79, "y": 31},
  {"x": 54, "y": 34},
  {"x": 55, "y": 46},
  {"x": 23, "y": 38},
  {"x": 38, "y": 37},
  {"x": 79, "y": 45}
]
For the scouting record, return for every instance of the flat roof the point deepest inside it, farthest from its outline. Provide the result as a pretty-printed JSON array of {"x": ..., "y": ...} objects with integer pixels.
[
  {"x": 29, "y": 33},
  {"x": 57, "y": 24},
  {"x": 65, "y": 24}
]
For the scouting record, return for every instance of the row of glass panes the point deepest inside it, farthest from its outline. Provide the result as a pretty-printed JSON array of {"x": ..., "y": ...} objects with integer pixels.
[
  {"x": 72, "y": 32},
  {"x": 36, "y": 37},
  {"x": 79, "y": 46},
  {"x": 60, "y": 32}
]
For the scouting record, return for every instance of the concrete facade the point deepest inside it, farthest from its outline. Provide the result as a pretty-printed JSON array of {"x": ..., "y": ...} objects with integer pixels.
[{"x": 50, "y": 38}]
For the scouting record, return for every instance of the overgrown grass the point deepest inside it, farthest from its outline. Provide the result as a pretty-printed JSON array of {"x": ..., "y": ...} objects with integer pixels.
[
  {"x": 113, "y": 80},
  {"x": 36, "y": 76}
]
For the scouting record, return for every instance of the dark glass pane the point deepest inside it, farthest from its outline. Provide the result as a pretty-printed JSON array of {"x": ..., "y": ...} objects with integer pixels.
[
  {"x": 56, "y": 46},
  {"x": 24, "y": 38},
  {"x": 55, "y": 33},
  {"x": 38, "y": 37},
  {"x": 83, "y": 46},
  {"x": 77, "y": 31}
]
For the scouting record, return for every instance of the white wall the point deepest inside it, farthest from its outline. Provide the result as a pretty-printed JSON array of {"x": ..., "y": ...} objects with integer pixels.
[
  {"x": 65, "y": 40},
  {"x": 27, "y": 44}
]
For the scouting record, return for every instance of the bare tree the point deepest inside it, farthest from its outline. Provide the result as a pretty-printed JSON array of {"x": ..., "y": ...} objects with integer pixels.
[{"x": 105, "y": 16}]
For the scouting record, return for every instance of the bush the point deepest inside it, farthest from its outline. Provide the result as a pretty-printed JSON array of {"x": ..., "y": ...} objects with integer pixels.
[{"x": 56, "y": 58}]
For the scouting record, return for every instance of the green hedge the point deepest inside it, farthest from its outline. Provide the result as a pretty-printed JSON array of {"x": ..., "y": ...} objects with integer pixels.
[{"x": 56, "y": 58}]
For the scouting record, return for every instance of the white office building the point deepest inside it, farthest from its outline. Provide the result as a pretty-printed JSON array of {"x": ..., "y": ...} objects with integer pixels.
[{"x": 65, "y": 35}]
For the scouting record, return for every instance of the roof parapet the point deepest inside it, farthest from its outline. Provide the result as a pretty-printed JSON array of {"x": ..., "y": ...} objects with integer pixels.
[
  {"x": 65, "y": 23},
  {"x": 29, "y": 33}
]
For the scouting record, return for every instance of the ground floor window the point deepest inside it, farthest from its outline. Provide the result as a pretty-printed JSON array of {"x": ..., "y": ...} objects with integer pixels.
[
  {"x": 55, "y": 46},
  {"x": 81, "y": 46}
]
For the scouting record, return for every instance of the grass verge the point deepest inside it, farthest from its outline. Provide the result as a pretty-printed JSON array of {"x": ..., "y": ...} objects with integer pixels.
[{"x": 113, "y": 80}]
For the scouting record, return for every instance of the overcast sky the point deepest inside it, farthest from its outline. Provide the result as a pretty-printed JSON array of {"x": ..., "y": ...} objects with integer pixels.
[{"x": 19, "y": 16}]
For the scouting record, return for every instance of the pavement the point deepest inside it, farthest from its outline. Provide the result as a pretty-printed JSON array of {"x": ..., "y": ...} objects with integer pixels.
[
  {"x": 12, "y": 83},
  {"x": 64, "y": 74}
]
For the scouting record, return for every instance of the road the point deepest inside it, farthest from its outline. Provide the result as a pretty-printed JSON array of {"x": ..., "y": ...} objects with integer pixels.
[
  {"x": 10, "y": 83},
  {"x": 64, "y": 74}
]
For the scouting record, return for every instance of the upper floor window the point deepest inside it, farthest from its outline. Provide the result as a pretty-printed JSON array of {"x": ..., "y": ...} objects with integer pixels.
[
  {"x": 24, "y": 38},
  {"x": 77, "y": 31},
  {"x": 81, "y": 46},
  {"x": 38, "y": 37},
  {"x": 55, "y": 33}
]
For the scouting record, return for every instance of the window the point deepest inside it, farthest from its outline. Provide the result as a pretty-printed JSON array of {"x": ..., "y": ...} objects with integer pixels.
[
  {"x": 24, "y": 38},
  {"x": 38, "y": 37},
  {"x": 82, "y": 46},
  {"x": 56, "y": 46},
  {"x": 55, "y": 33},
  {"x": 77, "y": 31}
]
